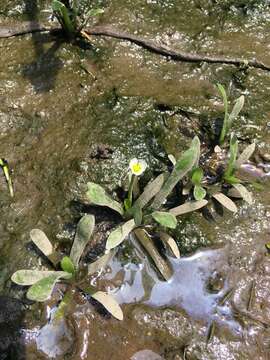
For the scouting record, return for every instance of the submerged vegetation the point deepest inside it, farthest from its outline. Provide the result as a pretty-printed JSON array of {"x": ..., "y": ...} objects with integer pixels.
[
  {"x": 147, "y": 215},
  {"x": 42, "y": 282}
]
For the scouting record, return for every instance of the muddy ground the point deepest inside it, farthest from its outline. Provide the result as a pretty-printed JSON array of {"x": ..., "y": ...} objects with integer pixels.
[{"x": 61, "y": 105}]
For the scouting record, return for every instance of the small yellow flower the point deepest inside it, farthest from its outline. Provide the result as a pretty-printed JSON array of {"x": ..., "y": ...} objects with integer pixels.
[{"x": 137, "y": 166}]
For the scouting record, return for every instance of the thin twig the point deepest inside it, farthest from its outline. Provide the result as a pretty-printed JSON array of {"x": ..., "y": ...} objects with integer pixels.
[{"x": 150, "y": 45}]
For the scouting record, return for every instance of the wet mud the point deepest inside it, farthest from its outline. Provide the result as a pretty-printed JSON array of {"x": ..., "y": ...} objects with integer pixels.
[{"x": 71, "y": 114}]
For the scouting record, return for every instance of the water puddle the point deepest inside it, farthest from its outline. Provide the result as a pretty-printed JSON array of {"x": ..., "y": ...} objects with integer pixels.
[{"x": 198, "y": 285}]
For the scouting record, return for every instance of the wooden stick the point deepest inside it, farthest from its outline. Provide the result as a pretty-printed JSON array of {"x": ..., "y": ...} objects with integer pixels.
[{"x": 108, "y": 31}]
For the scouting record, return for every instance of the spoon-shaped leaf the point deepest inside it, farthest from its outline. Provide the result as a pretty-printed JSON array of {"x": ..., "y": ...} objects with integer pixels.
[
  {"x": 170, "y": 242},
  {"x": 30, "y": 277},
  {"x": 245, "y": 194},
  {"x": 97, "y": 195},
  {"x": 150, "y": 247},
  {"x": 40, "y": 239},
  {"x": 197, "y": 176},
  {"x": 67, "y": 265},
  {"x": 239, "y": 103},
  {"x": 245, "y": 155},
  {"x": 151, "y": 189},
  {"x": 100, "y": 263},
  {"x": 83, "y": 234},
  {"x": 107, "y": 300},
  {"x": 109, "y": 303},
  {"x": 225, "y": 121},
  {"x": 225, "y": 201},
  {"x": 42, "y": 290},
  {"x": 188, "y": 207},
  {"x": 165, "y": 219},
  {"x": 118, "y": 235},
  {"x": 182, "y": 167},
  {"x": 233, "y": 151},
  {"x": 199, "y": 192}
]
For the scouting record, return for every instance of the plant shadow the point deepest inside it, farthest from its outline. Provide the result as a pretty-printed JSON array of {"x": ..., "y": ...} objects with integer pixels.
[{"x": 42, "y": 72}]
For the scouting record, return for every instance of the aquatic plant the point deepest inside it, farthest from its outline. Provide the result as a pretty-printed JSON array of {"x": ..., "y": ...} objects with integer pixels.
[
  {"x": 229, "y": 117},
  {"x": 73, "y": 16},
  {"x": 42, "y": 283},
  {"x": 149, "y": 211},
  {"x": 5, "y": 168}
]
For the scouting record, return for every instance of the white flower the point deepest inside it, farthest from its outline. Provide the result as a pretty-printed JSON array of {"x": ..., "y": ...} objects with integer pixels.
[{"x": 137, "y": 166}]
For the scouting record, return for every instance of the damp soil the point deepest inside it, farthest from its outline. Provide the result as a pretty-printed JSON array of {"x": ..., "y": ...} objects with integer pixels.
[{"x": 72, "y": 114}]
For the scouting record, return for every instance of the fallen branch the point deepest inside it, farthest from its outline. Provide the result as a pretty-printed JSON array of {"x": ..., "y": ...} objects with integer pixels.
[
  {"x": 25, "y": 28},
  {"x": 150, "y": 45},
  {"x": 173, "y": 54}
]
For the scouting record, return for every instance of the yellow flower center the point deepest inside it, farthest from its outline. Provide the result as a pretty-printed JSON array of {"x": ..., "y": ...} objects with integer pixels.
[{"x": 136, "y": 168}]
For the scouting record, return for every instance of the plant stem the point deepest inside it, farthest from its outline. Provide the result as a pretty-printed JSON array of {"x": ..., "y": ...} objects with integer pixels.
[{"x": 130, "y": 189}]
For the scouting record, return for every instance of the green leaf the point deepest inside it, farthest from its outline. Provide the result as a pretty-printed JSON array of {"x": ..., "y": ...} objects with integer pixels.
[
  {"x": 232, "y": 156},
  {"x": 83, "y": 234},
  {"x": 165, "y": 219},
  {"x": 197, "y": 176},
  {"x": 151, "y": 189},
  {"x": 42, "y": 289},
  {"x": 188, "y": 207},
  {"x": 97, "y": 195},
  {"x": 65, "y": 16},
  {"x": 138, "y": 215},
  {"x": 225, "y": 201},
  {"x": 225, "y": 102},
  {"x": 150, "y": 247},
  {"x": 127, "y": 204},
  {"x": 30, "y": 277},
  {"x": 67, "y": 265},
  {"x": 57, "y": 5},
  {"x": 231, "y": 180},
  {"x": 182, "y": 167},
  {"x": 170, "y": 242},
  {"x": 235, "y": 111},
  {"x": 40, "y": 239},
  {"x": 95, "y": 12},
  {"x": 245, "y": 194},
  {"x": 199, "y": 192},
  {"x": 108, "y": 301},
  {"x": 245, "y": 155},
  {"x": 118, "y": 235},
  {"x": 100, "y": 263}
]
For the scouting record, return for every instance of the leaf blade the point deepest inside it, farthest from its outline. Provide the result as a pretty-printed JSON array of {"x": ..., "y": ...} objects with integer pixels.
[
  {"x": 171, "y": 243},
  {"x": 83, "y": 234},
  {"x": 67, "y": 265},
  {"x": 97, "y": 195},
  {"x": 118, "y": 235},
  {"x": 29, "y": 277},
  {"x": 245, "y": 194},
  {"x": 110, "y": 304},
  {"x": 225, "y": 202},
  {"x": 245, "y": 155},
  {"x": 188, "y": 207},
  {"x": 165, "y": 219},
  {"x": 40, "y": 239},
  {"x": 182, "y": 167},
  {"x": 42, "y": 289}
]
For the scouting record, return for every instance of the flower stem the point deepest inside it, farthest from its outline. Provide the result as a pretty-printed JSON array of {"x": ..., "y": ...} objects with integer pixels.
[{"x": 130, "y": 189}]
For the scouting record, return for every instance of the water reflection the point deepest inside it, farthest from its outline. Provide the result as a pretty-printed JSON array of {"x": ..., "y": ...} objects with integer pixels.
[{"x": 192, "y": 287}]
